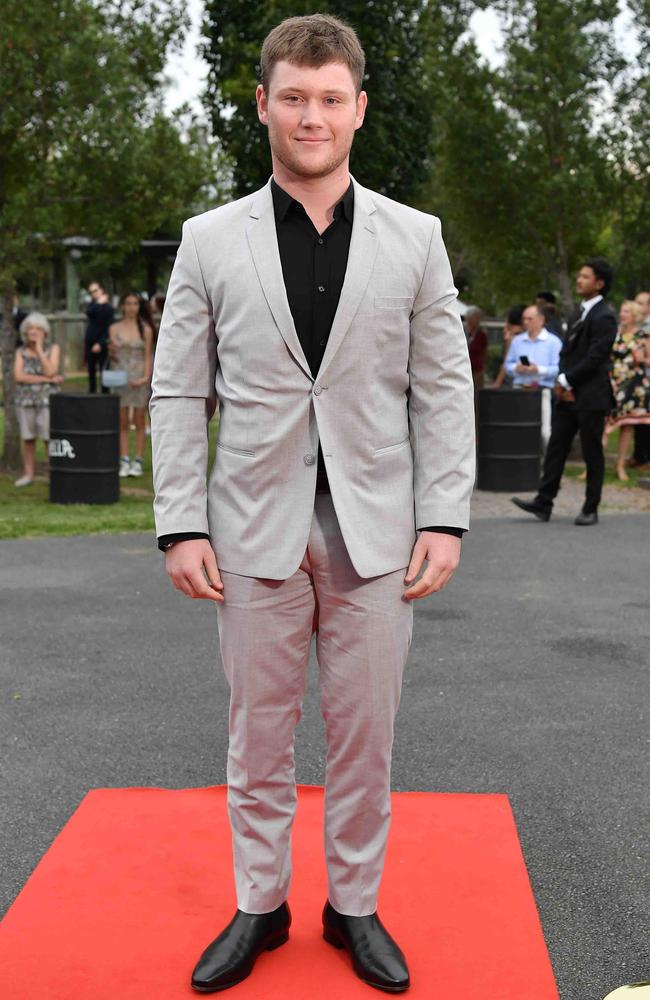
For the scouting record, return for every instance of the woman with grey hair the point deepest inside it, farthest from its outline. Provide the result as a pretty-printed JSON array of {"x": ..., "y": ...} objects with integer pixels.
[{"x": 36, "y": 372}]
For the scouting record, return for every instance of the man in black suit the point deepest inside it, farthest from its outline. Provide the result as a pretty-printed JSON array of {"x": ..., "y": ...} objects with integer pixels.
[{"x": 584, "y": 394}]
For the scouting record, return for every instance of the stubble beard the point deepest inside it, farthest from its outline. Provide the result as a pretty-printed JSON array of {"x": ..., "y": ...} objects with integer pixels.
[{"x": 293, "y": 162}]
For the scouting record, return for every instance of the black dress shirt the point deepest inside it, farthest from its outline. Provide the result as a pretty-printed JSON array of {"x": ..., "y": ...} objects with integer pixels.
[{"x": 313, "y": 268}]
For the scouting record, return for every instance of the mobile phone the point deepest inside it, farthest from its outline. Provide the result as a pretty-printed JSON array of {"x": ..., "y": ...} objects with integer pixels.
[{"x": 523, "y": 358}]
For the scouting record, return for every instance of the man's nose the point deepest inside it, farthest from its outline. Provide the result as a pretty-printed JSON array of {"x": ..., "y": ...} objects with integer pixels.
[{"x": 312, "y": 114}]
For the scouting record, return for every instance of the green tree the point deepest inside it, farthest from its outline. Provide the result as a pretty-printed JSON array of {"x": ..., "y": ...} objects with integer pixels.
[
  {"x": 84, "y": 145},
  {"x": 627, "y": 129},
  {"x": 390, "y": 152},
  {"x": 520, "y": 162}
]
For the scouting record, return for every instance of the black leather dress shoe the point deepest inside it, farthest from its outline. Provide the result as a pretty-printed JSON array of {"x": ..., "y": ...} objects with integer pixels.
[
  {"x": 583, "y": 518},
  {"x": 231, "y": 956},
  {"x": 376, "y": 958},
  {"x": 531, "y": 507}
]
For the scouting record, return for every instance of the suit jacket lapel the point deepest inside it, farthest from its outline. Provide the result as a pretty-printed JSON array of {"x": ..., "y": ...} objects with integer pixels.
[
  {"x": 361, "y": 260},
  {"x": 263, "y": 243}
]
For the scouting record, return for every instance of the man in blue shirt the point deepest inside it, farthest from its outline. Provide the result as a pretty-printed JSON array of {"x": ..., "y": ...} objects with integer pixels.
[{"x": 540, "y": 350}]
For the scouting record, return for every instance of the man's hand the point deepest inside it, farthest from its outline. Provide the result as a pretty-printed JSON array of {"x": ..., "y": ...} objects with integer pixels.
[
  {"x": 96, "y": 348},
  {"x": 525, "y": 369},
  {"x": 563, "y": 395},
  {"x": 443, "y": 555},
  {"x": 192, "y": 566}
]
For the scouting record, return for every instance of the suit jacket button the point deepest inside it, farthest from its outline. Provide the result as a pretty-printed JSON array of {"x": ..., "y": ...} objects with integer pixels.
[
  {"x": 309, "y": 459},
  {"x": 317, "y": 390}
]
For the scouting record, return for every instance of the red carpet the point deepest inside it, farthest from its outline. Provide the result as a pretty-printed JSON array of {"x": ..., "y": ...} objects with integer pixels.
[{"x": 139, "y": 882}]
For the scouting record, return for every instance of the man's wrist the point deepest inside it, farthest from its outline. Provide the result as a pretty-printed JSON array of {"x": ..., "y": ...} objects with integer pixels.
[
  {"x": 445, "y": 530},
  {"x": 165, "y": 542}
]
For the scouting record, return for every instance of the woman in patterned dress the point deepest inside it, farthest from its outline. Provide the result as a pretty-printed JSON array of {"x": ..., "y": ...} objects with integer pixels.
[
  {"x": 130, "y": 347},
  {"x": 630, "y": 360},
  {"x": 36, "y": 374}
]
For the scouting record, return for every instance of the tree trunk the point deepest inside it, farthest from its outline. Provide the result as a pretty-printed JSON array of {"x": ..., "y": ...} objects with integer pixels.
[
  {"x": 11, "y": 460},
  {"x": 562, "y": 275}
]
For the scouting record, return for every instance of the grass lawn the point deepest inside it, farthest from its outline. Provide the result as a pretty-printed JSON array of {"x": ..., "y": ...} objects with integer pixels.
[{"x": 27, "y": 512}]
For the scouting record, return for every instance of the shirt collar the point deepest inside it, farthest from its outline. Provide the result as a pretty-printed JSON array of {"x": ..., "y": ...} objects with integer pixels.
[
  {"x": 542, "y": 335},
  {"x": 283, "y": 201},
  {"x": 589, "y": 304}
]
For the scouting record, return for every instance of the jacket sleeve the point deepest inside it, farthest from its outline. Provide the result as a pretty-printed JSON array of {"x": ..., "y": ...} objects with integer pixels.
[
  {"x": 441, "y": 398},
  {"x": 183, "y": 397},
  {"x": 602, "y": 337}
]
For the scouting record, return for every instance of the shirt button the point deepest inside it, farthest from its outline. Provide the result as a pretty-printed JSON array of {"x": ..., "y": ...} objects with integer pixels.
[
  {"x": 309, "y": 459},
  {"x": 321, "y": 343},
  {"x": 321, "y": 288}
]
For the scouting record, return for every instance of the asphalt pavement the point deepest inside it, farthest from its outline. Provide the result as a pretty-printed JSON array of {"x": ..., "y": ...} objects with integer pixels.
[{"x": 528, "y": 676}]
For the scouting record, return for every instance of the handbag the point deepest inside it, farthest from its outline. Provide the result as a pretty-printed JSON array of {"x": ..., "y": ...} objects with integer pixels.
[{"x": 114, "y": 378}]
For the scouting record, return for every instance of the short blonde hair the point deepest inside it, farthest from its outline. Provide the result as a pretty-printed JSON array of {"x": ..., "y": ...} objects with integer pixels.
[
  {"x": 637, "y": 310},
  {"x": 313, "y": 40},
  {"x": 35, "y": 319}
]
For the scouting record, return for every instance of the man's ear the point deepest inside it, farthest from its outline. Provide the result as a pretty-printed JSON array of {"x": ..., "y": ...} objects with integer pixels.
[
  {"x": 362, "y": 103},
  {"x": 262, "y": 104}
]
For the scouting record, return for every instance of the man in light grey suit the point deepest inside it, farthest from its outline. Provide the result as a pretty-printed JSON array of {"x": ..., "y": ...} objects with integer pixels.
[{"x": 319, "y": 317}]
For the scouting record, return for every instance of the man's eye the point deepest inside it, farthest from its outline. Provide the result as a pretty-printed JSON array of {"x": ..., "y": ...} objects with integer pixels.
[{"x": 331, "y": 100}]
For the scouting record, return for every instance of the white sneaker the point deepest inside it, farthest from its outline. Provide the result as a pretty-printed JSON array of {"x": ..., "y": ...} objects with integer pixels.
[
  {"x": 23, "y": 481},
  {"x": 125, "y": 466},
  {"x": 136, "y": 467}
]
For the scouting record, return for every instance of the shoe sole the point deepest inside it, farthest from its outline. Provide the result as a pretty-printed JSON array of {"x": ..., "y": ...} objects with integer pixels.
[
  {"x": 538, "y": 514},
  {"x": 271, "y": 946},
  {"x": 332, "y": 938}
]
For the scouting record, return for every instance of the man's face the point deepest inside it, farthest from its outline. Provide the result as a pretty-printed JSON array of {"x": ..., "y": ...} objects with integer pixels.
[
  {"x": 533, "y": 321},
  {"x": 587, "y": 284},
  {"x": 643, "y": 299},
  {"x": 312, "y": 115},
  {"x": 96, "y": 291}
]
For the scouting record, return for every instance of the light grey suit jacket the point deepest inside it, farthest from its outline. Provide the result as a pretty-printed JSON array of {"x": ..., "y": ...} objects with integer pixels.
[{"x": 392, "y": 402}]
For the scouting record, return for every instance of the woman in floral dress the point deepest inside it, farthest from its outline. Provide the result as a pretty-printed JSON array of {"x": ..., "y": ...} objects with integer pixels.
[
  {"x": 130, "y": 347},
  {"x": 36, "y": 373},
  {"x": 630, "y": 363}
]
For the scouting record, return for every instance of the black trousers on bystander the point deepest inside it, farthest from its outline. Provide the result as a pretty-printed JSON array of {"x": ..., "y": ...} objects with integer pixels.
[{"x": 567, "y": 422}]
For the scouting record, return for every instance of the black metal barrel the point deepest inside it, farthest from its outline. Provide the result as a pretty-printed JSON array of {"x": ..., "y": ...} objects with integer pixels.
[
  {"x": 509, "y": 439},
  {"x": 84, "y": 448}
]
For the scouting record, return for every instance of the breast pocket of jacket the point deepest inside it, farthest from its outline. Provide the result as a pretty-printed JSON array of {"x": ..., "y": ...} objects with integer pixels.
[{"x": 393, "y": 302}]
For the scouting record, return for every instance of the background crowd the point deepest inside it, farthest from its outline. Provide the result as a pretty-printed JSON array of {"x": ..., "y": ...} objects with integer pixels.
[
  {"x": 118, "y": 352},
  {"x": 119, "y": 347},
  {"x": 533, "y": 338}
]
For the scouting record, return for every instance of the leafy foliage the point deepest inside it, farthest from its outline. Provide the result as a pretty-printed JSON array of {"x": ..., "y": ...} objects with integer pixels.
[
  {"x": 84, "y": 145},
  {"x": 521, "y": 165}
]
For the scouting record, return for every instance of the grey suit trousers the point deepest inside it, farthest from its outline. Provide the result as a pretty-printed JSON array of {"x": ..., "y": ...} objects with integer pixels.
[{"x": 363, "y": 634}]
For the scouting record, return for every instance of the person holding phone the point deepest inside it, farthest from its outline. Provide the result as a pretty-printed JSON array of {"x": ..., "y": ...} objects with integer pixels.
[{"x": 533, "y": 361}]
